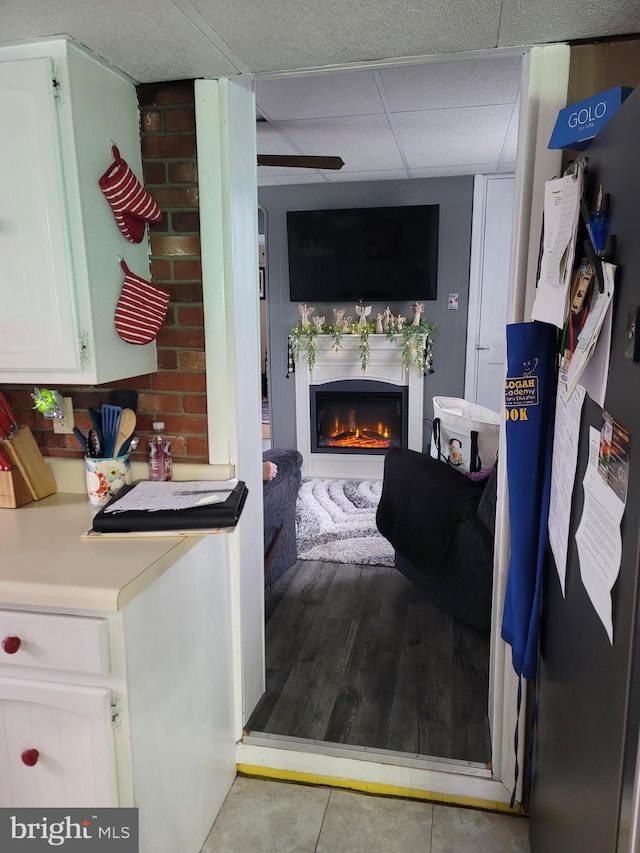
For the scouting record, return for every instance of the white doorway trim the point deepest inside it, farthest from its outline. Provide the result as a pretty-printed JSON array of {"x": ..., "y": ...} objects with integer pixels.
[
  {"x": 545, "y": 78},
  {"x": 226, "y": 141}
]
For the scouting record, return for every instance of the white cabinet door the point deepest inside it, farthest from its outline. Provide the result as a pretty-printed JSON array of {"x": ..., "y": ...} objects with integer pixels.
[
  {"x": 37, "y": 315},
  {"x": 67, "y": 730}
]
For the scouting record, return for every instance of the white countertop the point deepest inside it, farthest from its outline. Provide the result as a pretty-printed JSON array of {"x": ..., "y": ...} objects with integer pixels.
[{"x": 45, "y": 560}]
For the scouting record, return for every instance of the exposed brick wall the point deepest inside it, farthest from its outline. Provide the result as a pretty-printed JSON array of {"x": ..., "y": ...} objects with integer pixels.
[{"x": 176, "y": 394}]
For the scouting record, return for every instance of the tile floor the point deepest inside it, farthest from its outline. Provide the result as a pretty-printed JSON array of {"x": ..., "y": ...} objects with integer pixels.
[{"x": 278, "y": 817}]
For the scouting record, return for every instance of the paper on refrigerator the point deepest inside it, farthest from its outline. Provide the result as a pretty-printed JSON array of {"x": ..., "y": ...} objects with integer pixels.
[
  {"x": 588, "y": 337},
  {"x": 561, "y": 214},
  {"x": 598, "y": 537},
  {"x": 566, "y": 437},
  {"x": 595, "y": 375}
]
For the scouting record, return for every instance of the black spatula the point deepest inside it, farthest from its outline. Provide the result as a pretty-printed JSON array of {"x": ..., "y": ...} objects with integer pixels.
[{"x": 126, "y": 398}]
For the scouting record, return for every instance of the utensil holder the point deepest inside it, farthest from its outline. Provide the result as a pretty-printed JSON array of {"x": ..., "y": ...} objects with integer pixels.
[{"x": 106, "y": 476}]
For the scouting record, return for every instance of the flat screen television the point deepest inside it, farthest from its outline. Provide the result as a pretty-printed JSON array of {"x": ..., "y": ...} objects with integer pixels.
[{"x": 368, "y": 253}]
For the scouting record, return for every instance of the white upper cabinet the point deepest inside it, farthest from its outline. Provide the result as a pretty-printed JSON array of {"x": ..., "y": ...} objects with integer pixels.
[
  {"x": 60, "y": 277},
  {"x": 37, "y": 325}
]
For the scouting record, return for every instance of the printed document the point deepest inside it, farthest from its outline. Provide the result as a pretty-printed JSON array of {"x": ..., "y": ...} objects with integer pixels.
[
  {"x": 561, "y": 214},
  {"x": 588, "y": 337},
  {"x": 598, "y": 537},
  {"x": 566, "y": 436},
  {"x": 151, "y": 496}
]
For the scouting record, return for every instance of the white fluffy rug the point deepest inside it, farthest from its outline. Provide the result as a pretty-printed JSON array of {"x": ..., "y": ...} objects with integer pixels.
[{"x": 336, "y": 522}]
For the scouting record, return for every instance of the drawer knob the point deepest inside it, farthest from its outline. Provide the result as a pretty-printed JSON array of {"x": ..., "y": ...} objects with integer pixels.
[
  {"x": 11, "y": 645},
  {"x": 30, "y": 757}
]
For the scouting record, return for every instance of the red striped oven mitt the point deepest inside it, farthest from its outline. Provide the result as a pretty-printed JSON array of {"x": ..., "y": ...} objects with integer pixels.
[
  {"x": 141, "y": 309},
  {"x": 132, "y": 205}
]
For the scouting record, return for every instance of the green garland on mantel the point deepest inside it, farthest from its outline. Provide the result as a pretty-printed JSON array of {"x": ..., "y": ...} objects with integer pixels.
[{"x": 417, "y": 342}]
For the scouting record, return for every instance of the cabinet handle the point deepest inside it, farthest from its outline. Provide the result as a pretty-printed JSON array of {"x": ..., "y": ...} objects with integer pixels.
[
  {"x": 30, "y": 757},
  {"x": 11, "y": 645}
]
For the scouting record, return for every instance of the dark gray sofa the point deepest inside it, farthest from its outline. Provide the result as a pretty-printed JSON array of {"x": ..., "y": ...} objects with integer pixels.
[
  {"x": 441, "y": 524},
  {"x": 280, "y": 496}
]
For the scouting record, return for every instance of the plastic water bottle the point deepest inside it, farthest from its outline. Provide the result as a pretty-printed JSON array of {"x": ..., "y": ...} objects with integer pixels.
[{"x": 160, "y": 463}]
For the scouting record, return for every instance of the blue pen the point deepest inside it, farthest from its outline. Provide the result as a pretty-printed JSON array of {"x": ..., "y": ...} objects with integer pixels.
[{"x": 598, "y": 225}]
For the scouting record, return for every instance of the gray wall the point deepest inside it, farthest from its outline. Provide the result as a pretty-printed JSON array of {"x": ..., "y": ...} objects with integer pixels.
[{"x": 454, "y": 195}]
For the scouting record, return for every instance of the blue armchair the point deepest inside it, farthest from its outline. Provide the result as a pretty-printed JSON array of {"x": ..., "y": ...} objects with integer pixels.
[{"x": 280, "y": 496}]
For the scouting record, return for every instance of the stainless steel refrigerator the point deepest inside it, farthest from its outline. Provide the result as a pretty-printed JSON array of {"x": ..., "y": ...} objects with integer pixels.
[{"x": 585, "y": 745}]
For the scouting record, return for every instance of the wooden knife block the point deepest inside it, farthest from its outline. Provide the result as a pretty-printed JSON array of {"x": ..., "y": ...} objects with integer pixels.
[
  {"x": 28, "y": 462},
  {"x": 14, "y": 491}
]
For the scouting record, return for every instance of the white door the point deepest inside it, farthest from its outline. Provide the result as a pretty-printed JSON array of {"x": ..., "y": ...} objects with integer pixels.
[{"x": 489, "y": 290}]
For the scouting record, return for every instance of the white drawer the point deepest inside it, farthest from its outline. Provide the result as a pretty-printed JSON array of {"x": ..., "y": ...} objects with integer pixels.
[{"x": 77, "y": 643}]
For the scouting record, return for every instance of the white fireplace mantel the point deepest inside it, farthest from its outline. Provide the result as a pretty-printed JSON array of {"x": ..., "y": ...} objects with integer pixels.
[{"x": 384, "y": 365}]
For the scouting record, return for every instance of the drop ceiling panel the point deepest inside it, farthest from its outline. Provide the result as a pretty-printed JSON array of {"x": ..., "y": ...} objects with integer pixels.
[
  {"x": 435, "y": 108},
  {"x": 363, "y": 142},
  {"x": 447, "y": 171},
  {"x": 269, "y": 141},
  {"x": 288, "y": 34},
  {"x": 452, "y": 137},
  {"x": 439, "y": 85},
  {"x": 510, "y": 145},
  {"x": 320, "y": 96},
  {"x": 150, "y": 40},
  {"x": 550, "y": 21},
  {"x": 381, "y": 175}
]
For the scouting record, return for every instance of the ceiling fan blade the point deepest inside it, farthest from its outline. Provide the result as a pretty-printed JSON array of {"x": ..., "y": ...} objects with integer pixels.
[{"x": 300, "y": 161}]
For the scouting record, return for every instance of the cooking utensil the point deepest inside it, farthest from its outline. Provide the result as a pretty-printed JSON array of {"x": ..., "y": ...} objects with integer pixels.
[
  {"x": 81, "y": 439},
  {"x": 94, "y": 447},
  {"x": 7, "y": 416},
  {"x": 5, "y": 425},
  {"x": 96, "y": 420},
  {"x": 130, "y": 445},
  {"x": 5, "y": 462},
  {"x": 110, "y": 425},
  {"x": 126, "y": 398},
  {"x": 125, "y": 430}
]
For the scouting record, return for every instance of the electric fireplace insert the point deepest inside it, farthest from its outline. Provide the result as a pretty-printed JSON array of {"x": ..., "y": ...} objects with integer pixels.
[{"x": 358, "y": 416}]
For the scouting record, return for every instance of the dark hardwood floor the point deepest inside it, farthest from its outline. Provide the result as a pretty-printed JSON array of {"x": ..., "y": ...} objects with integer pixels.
[{"x": 356, "y": 655}]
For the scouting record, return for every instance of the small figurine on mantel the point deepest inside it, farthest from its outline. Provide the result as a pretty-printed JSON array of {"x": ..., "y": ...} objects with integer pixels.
[
  {"x": 341, "y": 322},
  {"x": 387, "y": 319},
  {"x": 399, "y": 322},
  {"x": 305, "y": 313},
  {"x": 379, "y": 326},
  {"x": 318, "y": 323},
  {"x": 363, "y": 313},
  {"x": 417, "y": 308}
]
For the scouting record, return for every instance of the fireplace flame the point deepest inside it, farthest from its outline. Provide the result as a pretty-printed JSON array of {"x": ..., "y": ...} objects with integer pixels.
[{"x": 359, "y": 437}]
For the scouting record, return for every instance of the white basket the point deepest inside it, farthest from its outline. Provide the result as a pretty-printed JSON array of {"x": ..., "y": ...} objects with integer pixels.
[{"x": 464, "y": 435}]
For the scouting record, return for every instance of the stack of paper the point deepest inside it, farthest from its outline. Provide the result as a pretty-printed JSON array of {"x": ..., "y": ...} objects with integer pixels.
[
  {"x": 588, "y": 337},
  {"x": 561, "y": 216},
  {"x": 152, "y": 496}
]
